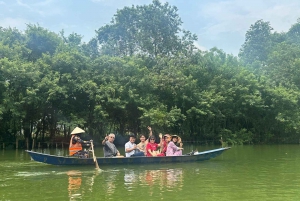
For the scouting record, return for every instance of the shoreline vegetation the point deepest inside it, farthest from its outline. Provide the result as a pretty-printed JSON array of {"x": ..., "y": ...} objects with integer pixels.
[{"x": 142, "y": 69}]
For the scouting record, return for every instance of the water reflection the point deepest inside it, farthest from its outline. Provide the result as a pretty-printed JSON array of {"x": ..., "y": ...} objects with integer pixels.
[
  {"x": 130, "y": 177},
  {"x": 110, "y": 182},
  {"x": 243, "y": 173},
  {"x": 76, "y": 187},
  {"x": 75, "y": 181},
  {"x": 165, "y": 179},
  {"x": 174, "y": 178}
]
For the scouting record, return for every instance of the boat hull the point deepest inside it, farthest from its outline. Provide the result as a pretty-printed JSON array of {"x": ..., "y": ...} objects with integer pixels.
[{"x": 63, "y": 160}]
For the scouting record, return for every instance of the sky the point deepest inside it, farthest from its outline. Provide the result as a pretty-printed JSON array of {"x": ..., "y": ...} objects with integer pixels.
[{"x": 217, "y": 23}]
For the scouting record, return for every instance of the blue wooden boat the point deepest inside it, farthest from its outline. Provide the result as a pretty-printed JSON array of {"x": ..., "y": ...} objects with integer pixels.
[{"x": 66, "y": 160}]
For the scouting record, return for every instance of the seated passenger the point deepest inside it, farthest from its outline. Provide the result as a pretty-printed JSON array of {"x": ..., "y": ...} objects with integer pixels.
[
  {"x": 75, "y": 147},
  {"x": 151, "y": 148},
  {"x": 109, "y": 149},
  {"x": 172, "y": 149},
  {"x": 164, "y": 144},
  {"x": 141, "y": 147},
  {"x": 131, "y": 148}
]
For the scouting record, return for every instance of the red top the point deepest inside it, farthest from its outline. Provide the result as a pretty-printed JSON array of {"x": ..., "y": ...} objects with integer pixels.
[
  {"x": 164, "y": 148},
  {"x": 165, "y": 145},
  {"x": 152, "y": 147}
]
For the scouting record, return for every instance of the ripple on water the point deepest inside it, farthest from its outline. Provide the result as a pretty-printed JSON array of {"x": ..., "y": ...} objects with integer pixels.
[
  {"x": 4, "y": 185},
  {"x": 30, "y": 174},
  {"x": 18, "y": 165}
]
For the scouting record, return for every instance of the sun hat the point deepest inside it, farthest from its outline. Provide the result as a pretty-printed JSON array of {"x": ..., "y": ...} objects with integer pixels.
[
  {"x": 174, "y": 136},
  {"x": 178, "y": 138},
  {"x": 77, "y": 130}
]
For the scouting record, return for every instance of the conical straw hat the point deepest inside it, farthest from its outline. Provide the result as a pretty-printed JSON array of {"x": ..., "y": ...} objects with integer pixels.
[{"x": 77, "y": 130}]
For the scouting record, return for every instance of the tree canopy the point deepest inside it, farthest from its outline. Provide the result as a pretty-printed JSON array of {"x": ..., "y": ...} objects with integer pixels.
[
  {"x": 152, "y": 30},
  {"x": 143, "y": 69}
]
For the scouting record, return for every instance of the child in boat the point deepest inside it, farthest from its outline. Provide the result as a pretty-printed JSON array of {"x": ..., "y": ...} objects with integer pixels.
[{"x": 172, "y": 149}]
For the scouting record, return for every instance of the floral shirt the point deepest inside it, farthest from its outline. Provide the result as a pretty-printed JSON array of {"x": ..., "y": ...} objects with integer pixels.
[{"x": 173, "y": 150}]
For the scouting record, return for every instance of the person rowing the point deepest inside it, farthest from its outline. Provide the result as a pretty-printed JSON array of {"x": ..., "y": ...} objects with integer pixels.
[{"x": 75, "y": 147}]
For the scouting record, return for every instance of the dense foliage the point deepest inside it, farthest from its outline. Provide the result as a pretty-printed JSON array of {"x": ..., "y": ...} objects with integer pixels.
[{"x": 141, "y": 70}]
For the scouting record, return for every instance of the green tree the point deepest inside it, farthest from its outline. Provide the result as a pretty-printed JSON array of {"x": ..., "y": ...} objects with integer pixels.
[
  {"x": 257, "y": 43},
  {"x": 147, "y": 30},
  {"x": 294, "y": 33},
  {"x": 40, "y": 40}
]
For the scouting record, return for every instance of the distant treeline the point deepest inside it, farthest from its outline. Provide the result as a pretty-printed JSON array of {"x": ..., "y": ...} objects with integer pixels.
[{"x": 143, "y": 69}]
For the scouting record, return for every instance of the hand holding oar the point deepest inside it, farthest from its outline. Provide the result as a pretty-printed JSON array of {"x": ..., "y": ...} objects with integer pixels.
[{"x": 94, "y": 157}]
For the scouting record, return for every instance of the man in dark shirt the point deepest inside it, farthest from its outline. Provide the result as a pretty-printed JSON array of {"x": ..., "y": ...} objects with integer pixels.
[{"x": 109, "y": 149}]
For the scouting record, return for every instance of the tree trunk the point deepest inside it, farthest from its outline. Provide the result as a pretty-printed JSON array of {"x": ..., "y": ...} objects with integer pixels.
[
  {"x": 65, "y": 131},
  {"x": 26, "y": 128},
  {"x": 43, "y": 128}
]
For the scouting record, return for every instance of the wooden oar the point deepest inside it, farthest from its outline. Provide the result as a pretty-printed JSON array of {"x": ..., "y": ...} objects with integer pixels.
[{"x": 94, "y": 157}]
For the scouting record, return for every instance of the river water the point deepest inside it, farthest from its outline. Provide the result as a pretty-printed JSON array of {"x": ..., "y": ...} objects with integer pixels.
[{"x": 264, "y": 172}]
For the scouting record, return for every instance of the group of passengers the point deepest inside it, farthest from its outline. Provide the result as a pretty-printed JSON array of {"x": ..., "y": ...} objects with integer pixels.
[
  {"x": 147, "y": 147},
  {"x": 166, "y": 147}
]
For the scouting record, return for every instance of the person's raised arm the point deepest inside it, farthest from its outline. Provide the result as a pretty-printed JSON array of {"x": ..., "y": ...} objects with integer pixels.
[
  {"x": 180, "y": 143},
  {"x": 160, "y": 140},
  {"x": 150, "y": 131},
  {"x": 104, "y": 140},
  {"x": 180, "y": 146}
]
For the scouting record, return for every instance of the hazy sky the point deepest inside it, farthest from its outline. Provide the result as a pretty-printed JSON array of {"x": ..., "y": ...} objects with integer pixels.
[{"x": 217, "y": 23}]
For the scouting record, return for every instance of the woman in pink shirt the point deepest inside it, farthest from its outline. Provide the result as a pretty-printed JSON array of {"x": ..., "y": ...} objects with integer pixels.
[{"x": 172, "y": 149}]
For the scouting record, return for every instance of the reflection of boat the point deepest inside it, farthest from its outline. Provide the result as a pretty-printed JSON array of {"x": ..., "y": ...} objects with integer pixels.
[
  {"x": 74, "y": 183},
  {"x": 79, "y": 183},
  {"x": 166, "y": 179},
  {"x": 65, "y": 160}
]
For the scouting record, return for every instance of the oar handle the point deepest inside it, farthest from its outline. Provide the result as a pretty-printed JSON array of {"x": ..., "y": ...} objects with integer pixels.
[
  {"x": 92, "y": 147},
  {"x": 94, "y": 157}
]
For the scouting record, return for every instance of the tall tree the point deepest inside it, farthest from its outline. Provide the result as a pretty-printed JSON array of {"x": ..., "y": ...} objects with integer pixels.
[
  {"x": 40, "y": 40},
  {"x": 257, "y": 43},
  {"x": 148, "y": 30},
  {"x": 294, "y": 33}
]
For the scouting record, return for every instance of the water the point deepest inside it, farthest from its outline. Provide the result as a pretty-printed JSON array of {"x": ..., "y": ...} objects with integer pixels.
[{"x": 241, "y": 173}]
